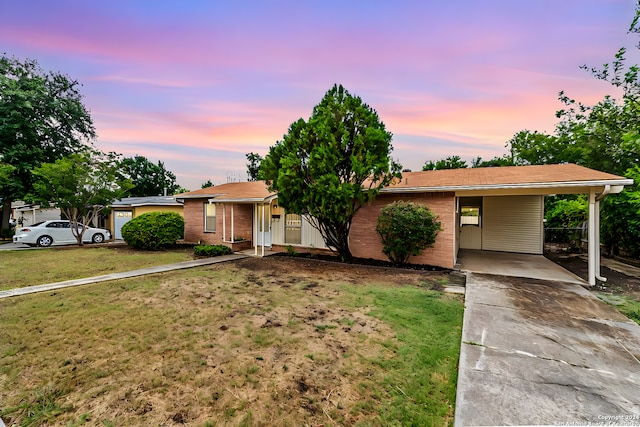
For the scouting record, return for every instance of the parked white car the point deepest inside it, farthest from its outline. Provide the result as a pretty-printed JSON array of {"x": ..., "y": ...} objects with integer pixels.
[{"x": 57, "y": 232}]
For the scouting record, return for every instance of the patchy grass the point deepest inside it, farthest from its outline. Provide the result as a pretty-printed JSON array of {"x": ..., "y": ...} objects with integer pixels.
[
  {"x": 38, "y": 266},
  {"x": 626, "y": 304},
  {"x": 270, "y": 341}
]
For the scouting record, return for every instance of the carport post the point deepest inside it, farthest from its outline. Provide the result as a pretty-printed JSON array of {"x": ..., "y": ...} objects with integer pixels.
[{"x": 593, "y": 245}]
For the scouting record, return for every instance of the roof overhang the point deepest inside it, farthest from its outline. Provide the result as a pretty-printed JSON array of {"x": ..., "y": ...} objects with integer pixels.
[
  {"x": 567, "y": 187},
  {"x": 220, "y": 198}
]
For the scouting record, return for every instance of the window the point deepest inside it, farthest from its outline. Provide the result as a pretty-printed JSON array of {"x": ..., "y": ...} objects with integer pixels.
[
  {"x": 470, "y": 210},
  {"x": 209, "y": 217},
  {"x": 293, "y": 229},
  {"x": 470, "y": 216}
]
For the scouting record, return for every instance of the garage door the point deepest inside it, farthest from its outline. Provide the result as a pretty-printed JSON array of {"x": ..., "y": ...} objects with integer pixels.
[{"x": 513, "y": 224}]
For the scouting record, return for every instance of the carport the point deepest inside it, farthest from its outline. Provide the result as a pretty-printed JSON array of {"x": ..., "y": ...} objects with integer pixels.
[
  {"x": 503, "y": 211},
  {"x": 514, "y": 264},
  {"x": 497, "y": 209}
]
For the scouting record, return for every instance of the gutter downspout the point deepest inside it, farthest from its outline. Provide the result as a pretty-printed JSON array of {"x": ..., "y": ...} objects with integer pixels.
[{"x": 599, "y": 197}]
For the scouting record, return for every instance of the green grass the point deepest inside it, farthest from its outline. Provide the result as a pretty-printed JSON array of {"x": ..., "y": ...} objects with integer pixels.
[
  {"x": 631, "y": 309},
  {"x": 38, "y": 266},
  {"x": 428, "y": 325},
  {"x": 626, "y": 305}
]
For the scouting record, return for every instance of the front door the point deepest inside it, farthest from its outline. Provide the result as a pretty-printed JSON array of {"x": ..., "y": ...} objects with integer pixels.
[
  {"x": 120, "y": 218},
  {"x": 263, "y": 226},
  {"x": 470, "y": 218}
]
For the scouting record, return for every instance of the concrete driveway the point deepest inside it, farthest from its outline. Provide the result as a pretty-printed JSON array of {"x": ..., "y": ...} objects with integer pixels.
[{"x": 540, "y": 352}]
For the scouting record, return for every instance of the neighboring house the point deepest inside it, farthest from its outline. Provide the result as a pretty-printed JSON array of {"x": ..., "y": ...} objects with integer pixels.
[
  {"x": 29, "y": 213},
  {"x": 128, "y": 208},
  {"x": 493, "y": 209}
]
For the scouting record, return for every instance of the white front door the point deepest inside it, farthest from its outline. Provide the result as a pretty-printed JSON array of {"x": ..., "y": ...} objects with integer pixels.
[
  {"x": 120, "y": 218},
  {"x": 263, "y": 225}
]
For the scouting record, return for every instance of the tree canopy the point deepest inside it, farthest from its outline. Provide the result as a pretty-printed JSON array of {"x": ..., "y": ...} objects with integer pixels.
[
  {"x": 149, "y": 179},
  {"x": 253, "y": 166},
  {"x": 42, "y": 119},
  {"x": 81, "y": 185},
  {"x": 451, "y": 162},
  {"x": 330, "y": 165}
]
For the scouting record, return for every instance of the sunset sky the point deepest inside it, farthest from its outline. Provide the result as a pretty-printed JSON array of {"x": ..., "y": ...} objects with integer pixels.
[{"x": 197, "y": 84}]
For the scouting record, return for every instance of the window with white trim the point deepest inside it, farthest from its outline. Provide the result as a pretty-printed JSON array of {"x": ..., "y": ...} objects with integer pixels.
[{"x": 210, "y": 217}]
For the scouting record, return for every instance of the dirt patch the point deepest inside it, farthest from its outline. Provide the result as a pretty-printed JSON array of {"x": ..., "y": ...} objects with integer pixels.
[{"x": 617, "y": 283}]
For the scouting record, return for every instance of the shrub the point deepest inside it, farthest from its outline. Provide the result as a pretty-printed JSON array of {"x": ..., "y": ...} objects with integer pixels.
[
  {"x": 406, "y": 229},
  {"x": 7, "y": 233},
  {"x": 153, "y": 230},
  {"x": 212, "y": 250}
]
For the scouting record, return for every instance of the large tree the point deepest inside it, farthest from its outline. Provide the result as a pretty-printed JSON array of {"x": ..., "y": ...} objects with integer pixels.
[
  {"x": 148, "y": 178},
  {"x": 42, "y": 118},
  {"x": 330, "y": 165},
  {"x": 81, "y": 185}
]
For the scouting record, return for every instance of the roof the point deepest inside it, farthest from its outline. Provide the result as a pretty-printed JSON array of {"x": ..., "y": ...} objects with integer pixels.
[
  {"x": 506, "y": 177},
  {"x": 250, "y": 191},
  {"x": 147, "y": 201}
]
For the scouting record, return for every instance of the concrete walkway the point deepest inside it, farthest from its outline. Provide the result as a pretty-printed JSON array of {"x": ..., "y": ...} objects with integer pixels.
[
  {"x": 540, "y": 352},
  {"x": 122, "y": 275}
]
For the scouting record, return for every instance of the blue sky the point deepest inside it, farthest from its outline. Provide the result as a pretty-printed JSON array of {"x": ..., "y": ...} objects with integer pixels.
[{"x": 198, "y": 84}]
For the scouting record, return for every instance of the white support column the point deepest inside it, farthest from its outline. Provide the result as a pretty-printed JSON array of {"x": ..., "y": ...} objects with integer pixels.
[
  {"x": 263, "y": 230},
  {"x": 597, "y": 238},
  {"x": 593, "y": 244},
  {"x": 256, "y": 214}
]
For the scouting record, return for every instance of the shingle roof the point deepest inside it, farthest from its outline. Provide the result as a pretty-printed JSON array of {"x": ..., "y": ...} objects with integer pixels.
[
  {"x": 503, "y": 177},
  {"x": 147, "y": 201},
  {"x": 233, "y": 191}
]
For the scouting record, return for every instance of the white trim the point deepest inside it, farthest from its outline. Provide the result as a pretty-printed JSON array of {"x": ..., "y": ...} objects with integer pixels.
[{"x": 532, "y": 185}]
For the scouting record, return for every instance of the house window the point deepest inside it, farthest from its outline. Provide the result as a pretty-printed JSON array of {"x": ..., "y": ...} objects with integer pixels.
[
  {"x": 470, "y": 215},
  {"x": 209, "y": 217},
  {"x": 293, "y": 229}
]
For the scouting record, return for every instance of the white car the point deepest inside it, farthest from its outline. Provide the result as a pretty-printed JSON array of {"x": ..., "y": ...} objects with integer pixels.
[{"x": 57, "y": 232}]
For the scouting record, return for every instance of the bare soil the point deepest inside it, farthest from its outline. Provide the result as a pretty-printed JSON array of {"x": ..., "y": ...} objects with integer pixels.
[{"x": 617, "y": 283}]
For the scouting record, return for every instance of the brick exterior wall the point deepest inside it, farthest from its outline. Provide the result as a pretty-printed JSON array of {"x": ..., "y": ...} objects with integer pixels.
[
  {"x": 194, "y": 222},
  {"x": 364, "y": 242}
]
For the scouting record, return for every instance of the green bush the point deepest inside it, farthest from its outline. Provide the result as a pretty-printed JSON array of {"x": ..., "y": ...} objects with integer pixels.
[
  {"x": 212, "y": 250},
  {"x": 153, "y": 230},
  {"x": 406, "y": 229},
  {"x": 7, "y": 233}
]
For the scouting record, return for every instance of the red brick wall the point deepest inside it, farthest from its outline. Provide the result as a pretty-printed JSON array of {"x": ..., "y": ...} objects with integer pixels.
[
  {"x": 194, "y": 222},
  {"x": 364, "y": 242}
]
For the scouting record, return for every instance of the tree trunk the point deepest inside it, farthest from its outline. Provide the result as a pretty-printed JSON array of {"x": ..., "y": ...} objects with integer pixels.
[{"x": 6, "y": 215}]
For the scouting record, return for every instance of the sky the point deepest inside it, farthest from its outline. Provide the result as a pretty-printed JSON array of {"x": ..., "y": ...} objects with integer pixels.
[{"x": 198, "y": 84}]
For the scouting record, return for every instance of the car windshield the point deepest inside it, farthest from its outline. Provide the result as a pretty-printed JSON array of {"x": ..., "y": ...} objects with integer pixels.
[{"x": 37, "y": 224}]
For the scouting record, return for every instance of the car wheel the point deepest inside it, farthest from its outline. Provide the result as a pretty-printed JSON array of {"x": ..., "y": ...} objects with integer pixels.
[
  {"x": 45, "y": 241},
  {"x": 97, "y": 238}
]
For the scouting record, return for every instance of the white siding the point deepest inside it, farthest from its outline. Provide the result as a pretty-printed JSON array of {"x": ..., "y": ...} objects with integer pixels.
[
  {"x": 513, "y": 224},
  {"x": 311, "y": 238}
]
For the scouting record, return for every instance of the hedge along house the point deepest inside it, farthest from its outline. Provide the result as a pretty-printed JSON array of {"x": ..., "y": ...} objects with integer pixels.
[
  {"x": 487, "y": 209},
  {"x": 124, "y": 210}
]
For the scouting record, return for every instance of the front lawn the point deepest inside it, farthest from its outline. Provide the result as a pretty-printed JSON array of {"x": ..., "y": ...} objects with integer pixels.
[
  {"x": 262, "y": 341},
  {"x": 39, "y": 266}
]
